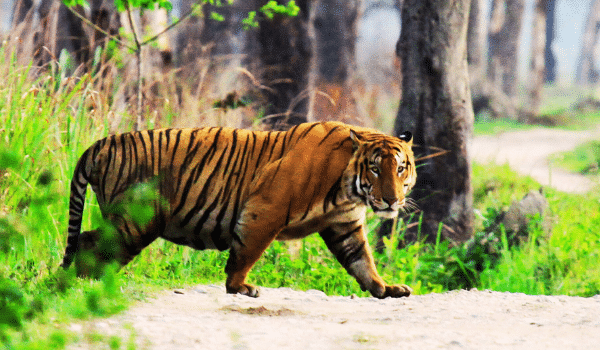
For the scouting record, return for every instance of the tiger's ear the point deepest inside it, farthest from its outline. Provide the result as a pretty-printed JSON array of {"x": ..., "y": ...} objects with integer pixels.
[
  {"x": 406, "y": 137},
  {"x": 355, "y": 140}
]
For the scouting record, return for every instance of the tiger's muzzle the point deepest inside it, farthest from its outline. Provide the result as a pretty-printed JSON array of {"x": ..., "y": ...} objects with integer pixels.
[{"x": 384, "y": 209}]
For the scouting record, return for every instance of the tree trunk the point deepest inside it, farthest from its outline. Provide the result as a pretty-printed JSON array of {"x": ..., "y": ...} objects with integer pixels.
[
  {"x": 285, "y": 55},
  {"x": 436, "y": 105},
  {"x": 334, "y": 64},
  {"x": 40, "y": 31},
  {"x": 225, "y": 41},
  {"x": 586, "y": 65},
  {"x": 476, "y": 45},
  {"x": 538, "y": 44},
  {"x": 549, "y": 57},
  {"x": 504, "y": 38},
  {"x": 503, "y": 46},
  {"x": 20, "y": 9}
]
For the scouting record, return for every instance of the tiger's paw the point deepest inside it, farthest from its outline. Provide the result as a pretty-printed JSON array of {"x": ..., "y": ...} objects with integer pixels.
[
  {"x": 397, "y": 291},
  {"x": 383, "y": 291},
  {"x": 244, "y": 289}
]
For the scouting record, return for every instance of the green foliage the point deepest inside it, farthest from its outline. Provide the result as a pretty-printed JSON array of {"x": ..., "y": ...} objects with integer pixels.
[
  {"x": 562, "y": 261},
  {"x": 13, "y": 306},
  {"x": 273, "y": 8},
  {"x": 270, "y": 10},
  {"x": 45, "y": 129},
  {"x": 251, "y": 21},
  {"x": 123, "y": 5}
]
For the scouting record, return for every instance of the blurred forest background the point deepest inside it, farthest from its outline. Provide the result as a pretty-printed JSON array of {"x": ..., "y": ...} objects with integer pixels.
[{"x": 342, "y": 54}]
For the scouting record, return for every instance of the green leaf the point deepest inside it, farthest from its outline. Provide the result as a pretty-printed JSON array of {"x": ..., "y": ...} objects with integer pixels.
[
  {"x": 217, "y": 16},
  {"x": 119, "y": 5},
  {"x": 272, "y": 8},
  {"x": 71, "y": 3},
  {"x": 250, "y": 21},
  {"x": 165, "y": 4}
]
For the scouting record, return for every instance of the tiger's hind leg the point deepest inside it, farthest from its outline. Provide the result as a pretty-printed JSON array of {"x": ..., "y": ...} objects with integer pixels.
[
  {"x": 93, "y": 254},
  {"x": 241, "y": 259},
  {"x": 86, "y": 262},
  {"x": 254, "y": 233},
  {"x": 98, "y": 248}
]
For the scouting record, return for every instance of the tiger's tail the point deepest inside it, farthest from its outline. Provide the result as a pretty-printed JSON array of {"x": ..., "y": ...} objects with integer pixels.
[{"x": 79, "y": 184}]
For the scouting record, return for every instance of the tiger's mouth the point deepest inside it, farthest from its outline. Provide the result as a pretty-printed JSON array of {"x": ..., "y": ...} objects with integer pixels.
[
  {"x": 385, "y": 213},
  {"x": 382, "y": 209}
]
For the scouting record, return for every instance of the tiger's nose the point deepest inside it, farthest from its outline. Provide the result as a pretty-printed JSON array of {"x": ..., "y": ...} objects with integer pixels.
[{"x": 390, "y": 201}]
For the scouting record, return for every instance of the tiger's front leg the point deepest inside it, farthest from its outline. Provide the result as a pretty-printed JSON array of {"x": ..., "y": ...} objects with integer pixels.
[{"x": 348, "y": 242}]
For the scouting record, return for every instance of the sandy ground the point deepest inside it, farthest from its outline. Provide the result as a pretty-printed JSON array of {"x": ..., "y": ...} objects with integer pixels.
[{"x": 205, "y": 317}]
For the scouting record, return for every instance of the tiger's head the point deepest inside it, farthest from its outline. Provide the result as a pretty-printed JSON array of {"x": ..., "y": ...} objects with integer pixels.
[{"x": 381, "y": 171}]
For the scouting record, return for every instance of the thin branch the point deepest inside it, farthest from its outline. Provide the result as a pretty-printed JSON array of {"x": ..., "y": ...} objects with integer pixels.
[
  {"x": 255, "y": 81},
  {"x": 93, "y": 25},
  {"x": 138, "y": 56},
  {"x": 171, "y": 26},
  {"x": 440, "y": 152},
  {"x": 135, "y": 37},
  {"x": 138, "y": 45},
  {"x": 121, "y": 42}
]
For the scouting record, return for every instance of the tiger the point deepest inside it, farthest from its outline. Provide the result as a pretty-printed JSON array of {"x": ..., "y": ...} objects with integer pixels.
[{"x": 225, "y": 188}]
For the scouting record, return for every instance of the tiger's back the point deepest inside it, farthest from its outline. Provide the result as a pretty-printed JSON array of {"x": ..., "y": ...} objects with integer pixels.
[{"x": 222, "y": 187}]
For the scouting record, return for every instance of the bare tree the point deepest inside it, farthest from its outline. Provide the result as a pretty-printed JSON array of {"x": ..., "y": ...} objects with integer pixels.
[
  {"x": 334, "y": 65},
  {"x": 436, "y": 105},
  {"x": 549, "y": 57},
  {"x": 40, "y": 31},
  {"x": 476, "y": 44},
  {"x": 587, "y": 72},
  {"x": 225, "y": 40},
  {"x": 504, "y": 38},
  {"x": 503, "y": 46},
  {"x": 284, "y": 54},
  {"x": 537, "y": 67}
]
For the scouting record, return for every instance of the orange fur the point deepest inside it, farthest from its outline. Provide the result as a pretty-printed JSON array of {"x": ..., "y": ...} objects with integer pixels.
[{"x": 236, "y": 189}]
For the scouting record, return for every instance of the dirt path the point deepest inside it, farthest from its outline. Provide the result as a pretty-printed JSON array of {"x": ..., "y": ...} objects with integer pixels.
[
  {"x": 527, "y": 153},
  {"x": 204, "y": 317}
]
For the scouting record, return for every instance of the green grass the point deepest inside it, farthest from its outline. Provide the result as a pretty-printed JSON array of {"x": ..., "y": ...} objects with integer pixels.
[
  {"x": 571, "y": 106},
  {"x": 497, "y": 126},
  {"x": 48, "y": 122},
  {"x": 566, "y": 107},
  {"x": 564, "y": 119},
  {"x": 584, "y": 159},
  {"x": 562, "y": 261}
]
